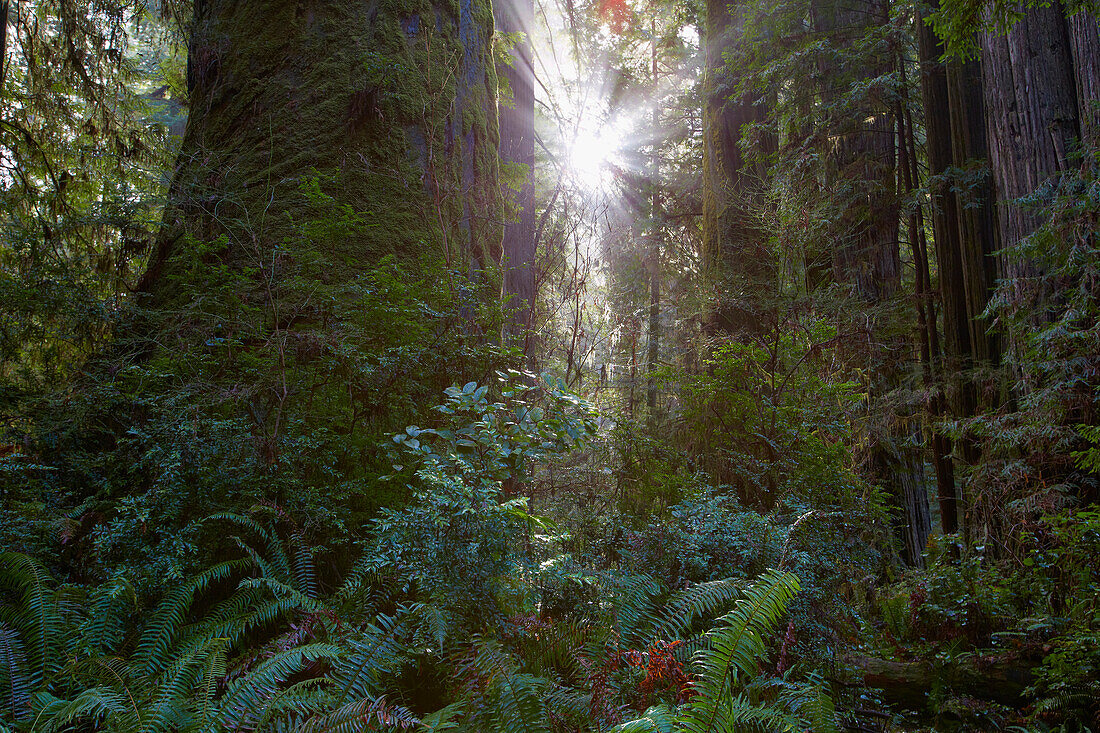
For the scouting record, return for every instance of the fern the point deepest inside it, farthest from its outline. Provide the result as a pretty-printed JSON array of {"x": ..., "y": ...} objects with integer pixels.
[
  {"x": 248, "y": 699},
  {"x": 92, "y": 705},
  {"x": 109, "y": 609},
  {"x": 636, "y": 608},
  {"x": 305, "y": 574},
  {"x": 736, "y": 646},
  {"x": 691, "y": 604},
  {"x": 512, "y": 703},
  {"x": 362, "y": 715},
  {"x": 442, "y": 719},
  {"x": 295, "y": 568},
  {"x": 153, "y": 651},
  {"x": 14, "y": 677},
  {"x": 36, "y": 617},
  {"x": 658, "y": 719},
  {"x": 278, "y": 563},
  {"x": 379, "y": 650},
  {"x": 812, "y": 703}
]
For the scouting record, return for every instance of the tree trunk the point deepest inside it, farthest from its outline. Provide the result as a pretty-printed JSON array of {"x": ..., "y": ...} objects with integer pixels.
[
  {"x": 1032, "y": 115},
  {"x": 1003, "y": 678},
  {"x": 517, "y": 147},
  {"x": 862, "y": 170},
  {"x": 734, "y": 249},
  {"x": 323, "y": 137},
  {"x": 392, "y": 111},
  {"x": 964, "y": 231}
]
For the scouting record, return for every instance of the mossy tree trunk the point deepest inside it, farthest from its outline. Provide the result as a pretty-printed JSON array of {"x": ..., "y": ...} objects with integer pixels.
[
  {"x": 336, "y": 192},
  {"x": 862, "y": 173}
]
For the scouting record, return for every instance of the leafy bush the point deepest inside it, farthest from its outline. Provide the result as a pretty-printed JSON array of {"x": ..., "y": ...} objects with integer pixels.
[{"x": 461, "y": 541}]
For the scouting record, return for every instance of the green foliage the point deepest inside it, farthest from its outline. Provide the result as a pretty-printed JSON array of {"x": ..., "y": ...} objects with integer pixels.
[
  {"x": 958, "y": 22},
  {"x": 767, "y": 417},
  {"x": 729, "y": 667},
  {"x": 84, "y": 153},
  {"x": 1035, "y": 454},
  {"x": 461, "y": 539}
]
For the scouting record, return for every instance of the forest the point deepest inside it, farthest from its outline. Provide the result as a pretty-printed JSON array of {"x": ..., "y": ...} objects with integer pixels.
[{"x": 549, "y": 366}]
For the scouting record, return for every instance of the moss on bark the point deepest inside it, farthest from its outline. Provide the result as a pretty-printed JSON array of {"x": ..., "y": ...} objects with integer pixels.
[{"x": 340, "y": 158}]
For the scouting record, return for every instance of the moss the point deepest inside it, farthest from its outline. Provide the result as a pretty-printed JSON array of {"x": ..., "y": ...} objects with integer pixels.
[{"x": 326, "y": 139}]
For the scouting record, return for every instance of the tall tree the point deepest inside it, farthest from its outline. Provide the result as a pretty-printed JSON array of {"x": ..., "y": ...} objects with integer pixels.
[
  {"x": 332, "y": 234},
  {"x": 734, "y": 247},
  {"x": 517, "y": 146},
  {"x": 862, "y": 172},
  {"x": 964, "y": 232}
]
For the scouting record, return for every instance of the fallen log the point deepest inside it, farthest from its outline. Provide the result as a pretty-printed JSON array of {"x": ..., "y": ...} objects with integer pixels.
[{"x": 1000, "y": 678}]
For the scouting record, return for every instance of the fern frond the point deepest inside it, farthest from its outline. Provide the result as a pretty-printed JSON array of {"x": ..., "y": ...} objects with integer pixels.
[
  {"x": 248, "y": 698},
  {"x": 15, "y": 682},
  {"x": 36, "y": 616},
  {"x": 295, "y": 704},
  {"x": 277, "y": 563},
  {"x": 691, "y": 604},
  {"x": 736, "y": 645},
  {"x": 567, "y": 702},
  {"x": 658, "y": 719},
  {"x": 104, "y": 628},
  {"x": 434, "y": 625},
  {"x": 91, "y": 705},
  {"x": 174, "y": 696},
  {"x": 513, "y": 703},
  {"x": 255, "y": 613},
  {"x": 362, "y": 715},
  {"x": 378, "y": 650},
  {"x": 213, "y": 670},
  {"x": 279, "y": 589},
  {"x": 813, "y": 704},
  {"x": 443, "y": 719},
  {"x": 1074, "y": 697},
  {"x": 305, "y": 575},
  {"x": 737, "y": 714},
  {"x": 153, "y": 649},
  {"x": 635, "y": 609}
]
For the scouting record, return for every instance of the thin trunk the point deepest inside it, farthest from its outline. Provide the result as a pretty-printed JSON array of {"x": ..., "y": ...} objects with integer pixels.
[
  {"x": 928, "y": 333},
  {"x": 654, "y": 268}
]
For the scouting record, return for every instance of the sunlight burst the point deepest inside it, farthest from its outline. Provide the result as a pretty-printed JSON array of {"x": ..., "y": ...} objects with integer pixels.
[{"x": 591, "y": 156}]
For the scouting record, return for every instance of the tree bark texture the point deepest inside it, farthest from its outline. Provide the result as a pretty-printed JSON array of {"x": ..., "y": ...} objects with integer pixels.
[
  {"x": 1033, "y": 112},
  {"x": 964, "y": 231},
  {"x": 517, "y": 146},
  {"x": 390, "y": 107},
  {"x": 734, "y": 249},
  {"x": 326, "y": 139},
  {"x": 862, "y": 174}
]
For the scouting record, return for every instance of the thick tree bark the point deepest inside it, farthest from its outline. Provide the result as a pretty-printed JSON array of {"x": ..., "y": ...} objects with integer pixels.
[
  {"x": 862, "y": 170},
  {"x": 392, "y": 110},
  {"x": 1084, "y": 44},
  {"x": 1033, "y": 115},
  {"x": 323, "y": 137},
  {"x": 964, "y": 231},
  {"x": 734, "y": 248},
  {"x": 517, "y": 146}
]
